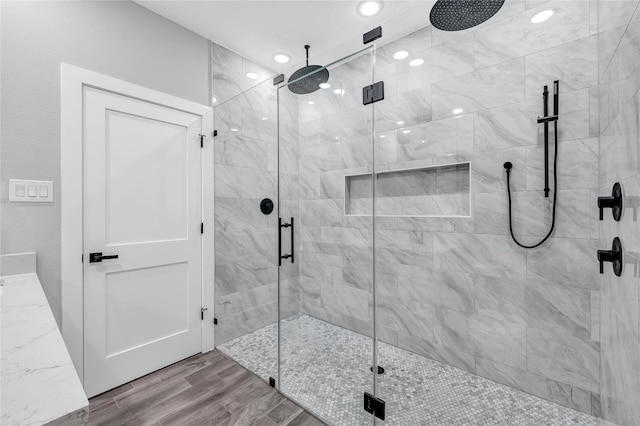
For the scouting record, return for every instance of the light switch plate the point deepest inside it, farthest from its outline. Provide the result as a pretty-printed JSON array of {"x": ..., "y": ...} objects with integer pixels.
[{"x": 30, "y": 191}]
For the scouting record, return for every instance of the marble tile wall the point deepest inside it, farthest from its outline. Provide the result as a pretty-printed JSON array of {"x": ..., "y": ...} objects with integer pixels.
[
  {"x": 246, "y": 155},
  {"x": 619, "y": 303},
  {"x": 459, "y": 290}
]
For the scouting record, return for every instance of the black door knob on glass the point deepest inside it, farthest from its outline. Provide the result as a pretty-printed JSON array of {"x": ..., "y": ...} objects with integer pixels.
[
  {"x": 614, "y": 256},
  {"x": 99, "y": 257},
  {"x": 613, "y": 202}
]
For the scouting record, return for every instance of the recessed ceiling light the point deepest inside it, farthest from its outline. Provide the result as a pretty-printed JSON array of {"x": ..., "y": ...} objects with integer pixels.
[
  {"x": 458, "y": 110},
  {"x": 542, "y": 16},
  {"x": 281, "y": 58},
  {"x": 214, "y": 100},
  {"x": 339, "y": 91},
  {"x": 422, "y": 141},
  {"x": 401, "y": 54},
  {"x": 400, "y": 123},
  {"x": 264, "y": 118},
  {"x": 324, "y": 85},
  {"x": 416, "y": 62},
  {"x": 233, "y": 129},
  {"x": 311, "y": 102},
  {"x": 369, "y": 8},
  {"x": 406, "y": 131},
  {"x": 252, "y": 75},
  {"x": 383, "y": 136}
]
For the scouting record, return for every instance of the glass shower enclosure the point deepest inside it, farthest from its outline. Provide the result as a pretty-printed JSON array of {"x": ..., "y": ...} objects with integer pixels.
[{"x": 386, "y": 273}]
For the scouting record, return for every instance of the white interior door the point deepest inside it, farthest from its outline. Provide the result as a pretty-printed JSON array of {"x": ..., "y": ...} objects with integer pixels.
[{"x": 142, "y": 202}]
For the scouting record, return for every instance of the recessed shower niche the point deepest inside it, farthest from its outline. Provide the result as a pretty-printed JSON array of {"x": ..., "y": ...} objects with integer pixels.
[{"x": 441, "y": 190}]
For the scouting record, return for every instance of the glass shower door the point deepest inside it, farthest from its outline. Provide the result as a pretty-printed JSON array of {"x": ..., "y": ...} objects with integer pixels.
[
  {"x": 246, "y": 239},
  {"x": 325, "y": 210}
]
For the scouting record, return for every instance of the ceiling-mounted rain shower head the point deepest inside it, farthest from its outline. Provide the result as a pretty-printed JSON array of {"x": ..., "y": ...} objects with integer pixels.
[
  {"x": 310, "y": 83},
  {"x": 456, "y": 15}
]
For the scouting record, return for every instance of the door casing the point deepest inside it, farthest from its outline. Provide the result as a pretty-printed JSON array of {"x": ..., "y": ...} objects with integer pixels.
[{"x": 73, "y": 82}]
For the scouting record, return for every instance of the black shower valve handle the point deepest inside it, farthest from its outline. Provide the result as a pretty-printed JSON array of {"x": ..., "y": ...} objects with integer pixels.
[
  {"x": 614, "y": 256},
  {"x": 613, "y": 202}
]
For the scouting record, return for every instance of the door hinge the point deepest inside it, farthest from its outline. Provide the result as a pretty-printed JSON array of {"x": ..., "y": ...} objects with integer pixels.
[
  {"x": 374, "y": 405},
  {"x": 202, "y": 313},
  {"x": 215, "y": 133},
  {"x": 373, "y": 93},
  {"x": 82, "y": 258},
  {"x": 202, "y": 227},
  {"x": 202, "y": 140}
]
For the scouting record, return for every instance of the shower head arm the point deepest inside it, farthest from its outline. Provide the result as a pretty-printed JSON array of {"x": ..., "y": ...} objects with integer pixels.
[{"x": 306, "y": 47}]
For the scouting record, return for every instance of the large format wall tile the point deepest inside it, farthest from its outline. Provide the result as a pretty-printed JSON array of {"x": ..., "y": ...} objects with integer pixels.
[
  {"x": 447, "y": 289},
  {"x": 485, "y": 88},
  {"x": 561, "y": 393},
  {"x": 491, "y": 255},
  {"x": 569, "y": 262},
  {"x": 544, "y": 306},
  {"x": 496, "y": 340},
  {"x": 564, "y": 358},
  {"x": 517, "y": 36},
  {"x": 573, "y": 64}
]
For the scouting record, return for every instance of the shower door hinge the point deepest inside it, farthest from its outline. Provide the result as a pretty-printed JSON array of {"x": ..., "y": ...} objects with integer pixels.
[
  {"x": 202, "y": 227},
  {"x": 373, "y": 93},
  {"x": 374, "y": 405},
  {"x": 278, "y": 79},
  {"x": 272, "y": 382},
  {"x": 215, "y": 133},
  {"x": 374, "y": 34},
  {"x": 215, "y": 321}
]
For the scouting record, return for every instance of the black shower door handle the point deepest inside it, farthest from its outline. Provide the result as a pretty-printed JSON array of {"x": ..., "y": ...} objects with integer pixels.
[{"x": 280, "y": 255}]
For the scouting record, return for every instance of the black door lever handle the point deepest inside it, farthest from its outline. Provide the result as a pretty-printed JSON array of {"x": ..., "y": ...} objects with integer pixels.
[{"x": 98, "y": 257}]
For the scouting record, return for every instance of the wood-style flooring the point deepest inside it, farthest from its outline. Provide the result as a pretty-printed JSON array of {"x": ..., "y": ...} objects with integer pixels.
[{"x": 206, "y": 389}]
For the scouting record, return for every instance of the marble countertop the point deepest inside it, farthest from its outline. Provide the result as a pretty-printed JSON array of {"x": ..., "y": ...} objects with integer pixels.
[{"x": 39, "y": 381}]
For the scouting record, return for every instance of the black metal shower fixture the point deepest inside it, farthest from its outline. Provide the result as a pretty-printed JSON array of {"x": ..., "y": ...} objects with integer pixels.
[
  {"x": 546, "y": 119},
  {"x": 457, "y": 15},
  {"x": 308, "y": 78}
]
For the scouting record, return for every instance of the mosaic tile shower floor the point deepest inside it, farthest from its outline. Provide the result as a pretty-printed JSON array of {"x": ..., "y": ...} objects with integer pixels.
[{"x": 325, "y": 368}]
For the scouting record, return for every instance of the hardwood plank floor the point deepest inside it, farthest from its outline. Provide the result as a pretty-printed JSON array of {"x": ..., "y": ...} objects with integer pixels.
[{"x": 206, "y": 389}]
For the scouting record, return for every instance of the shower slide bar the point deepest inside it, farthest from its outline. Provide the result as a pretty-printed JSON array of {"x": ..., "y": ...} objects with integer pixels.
[{"x": 546, "y": 120}]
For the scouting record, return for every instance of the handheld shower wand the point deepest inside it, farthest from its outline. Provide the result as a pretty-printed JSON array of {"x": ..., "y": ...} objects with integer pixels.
[{"x": 508, "y": 166}]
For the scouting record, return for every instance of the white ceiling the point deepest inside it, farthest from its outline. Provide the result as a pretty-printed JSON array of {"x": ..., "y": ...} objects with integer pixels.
[{"x": 258, "y": 29}]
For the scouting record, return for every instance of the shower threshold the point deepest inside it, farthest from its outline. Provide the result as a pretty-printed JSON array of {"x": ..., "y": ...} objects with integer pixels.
[{"x": 326, "y": 369}]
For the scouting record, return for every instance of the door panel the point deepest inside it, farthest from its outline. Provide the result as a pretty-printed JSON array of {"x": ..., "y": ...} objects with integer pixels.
[
  {"x": 149, "y": 206},
  {"x": 142, "y": 192}
]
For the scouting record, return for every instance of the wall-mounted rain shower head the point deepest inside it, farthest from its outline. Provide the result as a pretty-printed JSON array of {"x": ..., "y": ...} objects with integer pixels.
[
  {"x": 456, "y": 15},
  {"x": 310, "y": 83}
]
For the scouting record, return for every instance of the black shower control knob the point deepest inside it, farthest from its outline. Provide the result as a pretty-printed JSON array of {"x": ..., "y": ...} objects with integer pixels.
[
  {"x": 614, "y": 256},
  {"x": 613, "y": 202},
  {"x": 266, "y": 206}
]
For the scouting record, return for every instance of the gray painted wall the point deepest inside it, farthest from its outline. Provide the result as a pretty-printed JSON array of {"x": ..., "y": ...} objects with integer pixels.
[{"x": 120, "y": 39}]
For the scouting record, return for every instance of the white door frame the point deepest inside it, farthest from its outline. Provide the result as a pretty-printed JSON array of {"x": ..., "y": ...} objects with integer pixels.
[{"x": 73, "y": 82}]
